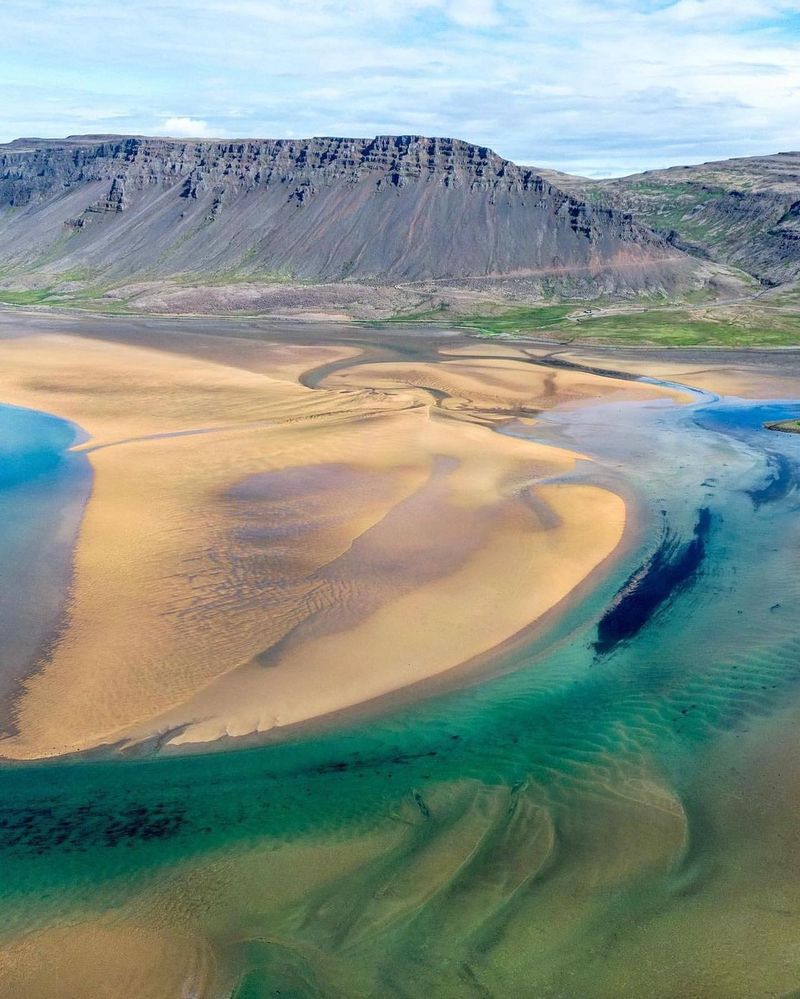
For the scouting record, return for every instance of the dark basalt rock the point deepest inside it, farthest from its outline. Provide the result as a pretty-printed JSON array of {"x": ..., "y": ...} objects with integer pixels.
[{"x": 385, "y": 209}]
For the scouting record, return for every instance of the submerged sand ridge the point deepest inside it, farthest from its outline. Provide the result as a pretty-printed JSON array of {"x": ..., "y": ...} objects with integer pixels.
[{"x": 255, "y": 551}]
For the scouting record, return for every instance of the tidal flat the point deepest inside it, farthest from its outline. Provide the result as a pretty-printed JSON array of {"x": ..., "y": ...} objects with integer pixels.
[{"x": 389, "y": 662}]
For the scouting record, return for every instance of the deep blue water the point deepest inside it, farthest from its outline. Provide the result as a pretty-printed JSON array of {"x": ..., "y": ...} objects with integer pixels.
[{"x": 43, "y": 488}]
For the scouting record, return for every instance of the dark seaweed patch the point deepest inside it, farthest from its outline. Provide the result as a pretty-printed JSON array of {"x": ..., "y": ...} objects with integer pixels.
[
  {"x": 779, "y": 482},
  {"x": 357, "y": 762},
  {"x": 37, "y": 830},
  {"x": 668, "y": 569}
]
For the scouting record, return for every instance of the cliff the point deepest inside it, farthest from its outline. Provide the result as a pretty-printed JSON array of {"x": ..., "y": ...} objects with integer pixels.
[{"x": 386, "y": 210}]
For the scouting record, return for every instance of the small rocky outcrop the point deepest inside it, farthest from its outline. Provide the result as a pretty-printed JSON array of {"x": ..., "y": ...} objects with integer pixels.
[{"x": 114, "y": 200}]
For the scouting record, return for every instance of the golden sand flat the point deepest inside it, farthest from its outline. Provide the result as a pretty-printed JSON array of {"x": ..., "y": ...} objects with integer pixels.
[{"x": 256, "y": 553}]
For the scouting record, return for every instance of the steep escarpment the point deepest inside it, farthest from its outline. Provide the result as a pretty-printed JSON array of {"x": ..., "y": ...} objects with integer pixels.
[
  {"x": 744, "y": 212},
  {"x": 387, "y": 209}
]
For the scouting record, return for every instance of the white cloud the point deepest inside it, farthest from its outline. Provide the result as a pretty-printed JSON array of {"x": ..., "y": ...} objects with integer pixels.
[
  {"x": 473, "y": 13},
  {"x": 605, "y": 86},
  {"x": 185, "y": 128}
]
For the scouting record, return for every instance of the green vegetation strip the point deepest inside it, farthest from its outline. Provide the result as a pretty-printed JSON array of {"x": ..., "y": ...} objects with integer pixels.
[
  {"x": 657, "y": 326},
  {"x": 678, "y": 329},
  {"x": 509, "y": 322},
  {"x": 564, "y": 323},
  {"x": 32, "y": 297},
  {"x": 518, "y": 320}
]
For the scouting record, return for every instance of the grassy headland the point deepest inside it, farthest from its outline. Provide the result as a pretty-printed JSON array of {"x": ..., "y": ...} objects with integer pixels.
[{"x": 786, "y": 426}]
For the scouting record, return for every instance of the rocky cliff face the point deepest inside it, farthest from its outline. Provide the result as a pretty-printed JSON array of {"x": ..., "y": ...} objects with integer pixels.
[
  {"x": 388, "y": 209},
  {"x": 744, "y": 212}
]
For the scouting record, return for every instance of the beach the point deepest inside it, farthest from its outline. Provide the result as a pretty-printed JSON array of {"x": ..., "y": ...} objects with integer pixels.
[{"x": 254, "y": 549}]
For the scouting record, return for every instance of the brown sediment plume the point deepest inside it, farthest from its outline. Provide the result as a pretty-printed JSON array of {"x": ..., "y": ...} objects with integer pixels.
[{"x": 257, "y": 553}]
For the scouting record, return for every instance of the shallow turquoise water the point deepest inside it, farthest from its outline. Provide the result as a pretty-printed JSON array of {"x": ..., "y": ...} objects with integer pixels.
[{"x": 612, "y": 747}]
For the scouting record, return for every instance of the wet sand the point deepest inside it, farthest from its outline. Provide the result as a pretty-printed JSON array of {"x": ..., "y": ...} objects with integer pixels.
[
  {"x": 746, "y": 373},
  {"x": 106, "y": 959},
  {"x": 218, "y": 594}
]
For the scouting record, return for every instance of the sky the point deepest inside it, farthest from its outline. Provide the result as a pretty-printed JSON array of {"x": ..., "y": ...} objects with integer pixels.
[{"x": 596, "y": 87}]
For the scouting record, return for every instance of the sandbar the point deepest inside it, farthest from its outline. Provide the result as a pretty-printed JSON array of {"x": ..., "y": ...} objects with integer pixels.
[{"x": 256, "y": 553}]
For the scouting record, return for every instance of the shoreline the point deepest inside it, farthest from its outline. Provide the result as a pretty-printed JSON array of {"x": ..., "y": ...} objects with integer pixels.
[{"x": 49, "y": 553}]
